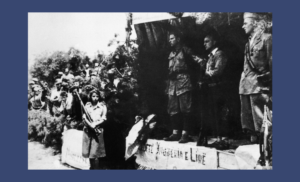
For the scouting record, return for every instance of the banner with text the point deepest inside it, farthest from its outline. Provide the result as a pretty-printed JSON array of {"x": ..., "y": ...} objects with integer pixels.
[
  {"x": 72, "y": 150},
  {"x": 156, "y": 154}
]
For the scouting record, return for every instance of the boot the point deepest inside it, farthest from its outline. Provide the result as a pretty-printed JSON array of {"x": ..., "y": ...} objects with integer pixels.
[
  {"x": 185, "y": 139},
  {"x": 202, "y": 141},
  {"x": 173, "y": 137}
]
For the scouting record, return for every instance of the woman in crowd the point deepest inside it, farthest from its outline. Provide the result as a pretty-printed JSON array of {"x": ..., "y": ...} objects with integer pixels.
[{"x": 93, "y": 143}]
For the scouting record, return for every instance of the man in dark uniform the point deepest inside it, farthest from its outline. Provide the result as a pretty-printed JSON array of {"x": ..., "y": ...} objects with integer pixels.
[
  {"x": 256, "y": 78},
  {"x": 215, "y": 83},
  {"x": 179, "y": 90}
]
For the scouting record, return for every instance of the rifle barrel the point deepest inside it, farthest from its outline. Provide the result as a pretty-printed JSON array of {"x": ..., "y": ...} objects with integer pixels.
[{"x": 89, "y": 119}]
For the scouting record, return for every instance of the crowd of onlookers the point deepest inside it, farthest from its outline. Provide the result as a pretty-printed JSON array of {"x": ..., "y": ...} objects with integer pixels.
[{"x": 91, "y": 97}]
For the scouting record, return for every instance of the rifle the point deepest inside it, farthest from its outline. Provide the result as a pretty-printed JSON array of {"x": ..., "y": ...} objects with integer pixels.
[
  {"x": 264, "y": 159},
  {"x": 89, "y": 119},
  {"x": 267, "y": 124}
]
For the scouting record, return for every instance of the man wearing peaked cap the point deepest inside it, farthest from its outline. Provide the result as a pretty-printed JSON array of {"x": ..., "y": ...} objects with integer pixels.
[
  {"x": 255, "y": 84},
  {"x": 35, "y": 80},
  {"x": 250, "y": 15}
]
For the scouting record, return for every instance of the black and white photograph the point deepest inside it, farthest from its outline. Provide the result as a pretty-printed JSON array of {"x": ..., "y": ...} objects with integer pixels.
[{"x": 150, "y": 91}]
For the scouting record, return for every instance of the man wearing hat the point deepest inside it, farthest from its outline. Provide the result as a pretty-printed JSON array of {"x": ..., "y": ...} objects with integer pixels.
[
  {"x": 54, "y": 99},
  {"x": 255, "y": 84},
  {"x": 36, "y": 101}
]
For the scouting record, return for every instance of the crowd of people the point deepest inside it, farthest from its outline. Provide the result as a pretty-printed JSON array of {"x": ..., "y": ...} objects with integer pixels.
[{"x": 87, "y": 101}]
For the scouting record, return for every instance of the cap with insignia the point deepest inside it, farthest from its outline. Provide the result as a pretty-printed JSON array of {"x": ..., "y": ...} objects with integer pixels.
[{"x": 250, "y": 15}]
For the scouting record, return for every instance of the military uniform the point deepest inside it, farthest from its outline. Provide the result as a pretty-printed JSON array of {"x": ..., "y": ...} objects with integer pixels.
[
  {"x": 180, "y": 87},
  {"x": 255, "y": 82}
]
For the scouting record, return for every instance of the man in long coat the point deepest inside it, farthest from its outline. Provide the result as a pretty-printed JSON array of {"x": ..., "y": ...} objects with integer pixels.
[{"x": 256, "y": 79}]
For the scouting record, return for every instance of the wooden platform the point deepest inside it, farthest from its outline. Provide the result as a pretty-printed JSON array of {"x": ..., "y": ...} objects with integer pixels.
[{"x": 160, "y": 155}]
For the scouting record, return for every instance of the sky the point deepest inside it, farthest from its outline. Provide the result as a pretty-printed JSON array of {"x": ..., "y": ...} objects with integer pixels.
[{"x": 88, "y": 32}]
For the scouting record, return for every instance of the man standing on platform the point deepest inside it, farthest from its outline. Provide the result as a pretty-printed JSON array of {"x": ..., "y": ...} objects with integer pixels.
[
  {"x": 179, "y": 90},
  {"x": 215, "y": 85},
  {"x": 256, "y": 78}
]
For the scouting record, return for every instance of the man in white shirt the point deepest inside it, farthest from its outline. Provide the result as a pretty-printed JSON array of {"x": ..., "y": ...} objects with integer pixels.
[{"x": 215, "y": 104}]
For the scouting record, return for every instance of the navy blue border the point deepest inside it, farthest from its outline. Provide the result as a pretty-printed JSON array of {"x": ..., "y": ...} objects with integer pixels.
[{"x": 14, "y": 55}]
